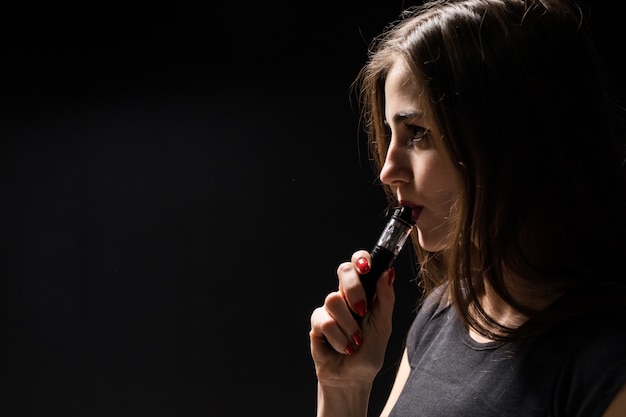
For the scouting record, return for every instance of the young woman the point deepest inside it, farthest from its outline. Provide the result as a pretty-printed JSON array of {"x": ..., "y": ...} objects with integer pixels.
[{"x": 491, "y": 120}]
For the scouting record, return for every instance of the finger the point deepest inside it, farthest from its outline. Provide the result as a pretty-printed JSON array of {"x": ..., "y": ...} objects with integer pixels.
[
  {"x": 325, "y": 332},
  {"x": 351, "y": 288},
  {"x": 362, "y": 260},
  {"x": 338, "y": 309},
  {"x": 334, "y": 324}
]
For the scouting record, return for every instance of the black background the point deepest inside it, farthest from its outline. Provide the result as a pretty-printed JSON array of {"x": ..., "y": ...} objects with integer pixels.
[{"x": 178, "y": 187}]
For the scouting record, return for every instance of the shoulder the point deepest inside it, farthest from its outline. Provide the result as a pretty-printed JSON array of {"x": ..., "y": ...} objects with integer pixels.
[
  {"x": 600, "y": 337},
  {"x": 601, "y": 344},
  {"x": 431, "y": 316},
  {"x": 435, "y": 301},
  {"x": 595, "y": 366}
]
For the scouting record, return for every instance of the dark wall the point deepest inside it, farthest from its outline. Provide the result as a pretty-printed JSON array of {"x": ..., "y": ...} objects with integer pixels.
[{"x": 178, "y": 187}]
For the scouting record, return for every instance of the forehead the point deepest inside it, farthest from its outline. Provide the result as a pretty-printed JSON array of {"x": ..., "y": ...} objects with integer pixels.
[{"x": 403, "y": 91}]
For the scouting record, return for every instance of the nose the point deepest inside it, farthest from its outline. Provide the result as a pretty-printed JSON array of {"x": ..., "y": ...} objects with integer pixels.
[{"x": 397, "y": 167}]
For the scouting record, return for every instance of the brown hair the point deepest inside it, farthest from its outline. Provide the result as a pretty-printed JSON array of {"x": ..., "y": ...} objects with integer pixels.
[{"x": 520, "y": 97}]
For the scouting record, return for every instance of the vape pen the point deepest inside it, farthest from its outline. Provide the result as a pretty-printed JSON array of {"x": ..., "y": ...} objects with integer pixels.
[{"x": 387, "y": 247}]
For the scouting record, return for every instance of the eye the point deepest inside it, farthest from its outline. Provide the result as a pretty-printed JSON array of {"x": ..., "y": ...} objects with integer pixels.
[{"x": 418, "y": 133}]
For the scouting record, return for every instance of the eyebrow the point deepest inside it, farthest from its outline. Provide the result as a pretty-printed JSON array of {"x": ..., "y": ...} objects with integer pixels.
[{"x": 398, "y": 117}]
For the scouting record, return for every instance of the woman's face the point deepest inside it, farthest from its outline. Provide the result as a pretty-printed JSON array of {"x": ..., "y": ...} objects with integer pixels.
[{"x": 421, "y": 175}]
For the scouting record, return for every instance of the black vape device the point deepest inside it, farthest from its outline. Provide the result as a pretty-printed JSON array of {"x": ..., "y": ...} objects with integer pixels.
[{"x": 387, "y": 247}]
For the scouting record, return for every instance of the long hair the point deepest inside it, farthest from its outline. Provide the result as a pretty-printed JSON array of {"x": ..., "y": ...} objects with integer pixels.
[{"x": 520, "y": 96}]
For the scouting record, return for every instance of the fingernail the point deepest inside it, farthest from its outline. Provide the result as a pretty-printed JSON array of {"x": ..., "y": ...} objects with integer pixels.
[
  {"x": 349, "y": 349},
  {"x": 362, "y": 265},
  {"x": 357, "y": 338},
  {"x": 392, "y": 275},
  {"x": 360, "y": 308}
]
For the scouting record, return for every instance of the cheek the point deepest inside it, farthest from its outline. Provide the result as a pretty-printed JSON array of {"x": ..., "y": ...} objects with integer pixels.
[
  {"x": 444, "y": 191},
  {"x": 438, "y": 180},
  {"x": 438, "y": 189}
]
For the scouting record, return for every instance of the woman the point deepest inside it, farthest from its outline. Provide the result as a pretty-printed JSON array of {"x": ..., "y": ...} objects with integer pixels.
[{"x": 491, "y": 120}]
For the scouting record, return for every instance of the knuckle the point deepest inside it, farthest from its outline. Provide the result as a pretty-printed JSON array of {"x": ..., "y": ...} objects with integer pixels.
[
  {"x": 333, "y": 299},
  {"x": 360, "y": 254},
  {"x": 344, "y": 267}
]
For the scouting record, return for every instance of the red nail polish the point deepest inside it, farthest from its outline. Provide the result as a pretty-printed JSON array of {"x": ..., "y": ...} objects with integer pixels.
[
  {"x": 392, "y": 275},
  {"x": 360, "y": 308},
  {"x": 357, "y": 338},
  {"x": 349, "y": 349},
  {"x": 363, "y": 266}
]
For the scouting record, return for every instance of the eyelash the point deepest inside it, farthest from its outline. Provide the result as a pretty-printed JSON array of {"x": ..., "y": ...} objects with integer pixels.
[
  {"x": 419, "y": 133},
  {"x": 416, "y": 133}
]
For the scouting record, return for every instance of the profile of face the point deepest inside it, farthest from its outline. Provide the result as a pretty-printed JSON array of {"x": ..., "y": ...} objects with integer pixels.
[{"x": 419, "y": 172}]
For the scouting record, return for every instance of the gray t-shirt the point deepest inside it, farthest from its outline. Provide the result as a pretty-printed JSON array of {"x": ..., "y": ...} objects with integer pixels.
[{"x": 572, "y": 370}]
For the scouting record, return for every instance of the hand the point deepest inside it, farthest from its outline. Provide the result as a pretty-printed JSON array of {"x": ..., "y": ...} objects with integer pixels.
[{"x": 345, "y": 352}]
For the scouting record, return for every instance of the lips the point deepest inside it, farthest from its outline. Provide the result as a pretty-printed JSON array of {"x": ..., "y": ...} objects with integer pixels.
[
  {"x": 415, "y": 209},
  {"x": 415, "y": 212}
]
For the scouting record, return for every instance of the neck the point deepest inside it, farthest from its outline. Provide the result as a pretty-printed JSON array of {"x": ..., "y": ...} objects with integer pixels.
[{"x": 503, "y": 313}]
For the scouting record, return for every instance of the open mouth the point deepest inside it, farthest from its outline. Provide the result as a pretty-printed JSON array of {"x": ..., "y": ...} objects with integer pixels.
[{"x": 415, "y": 209}]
